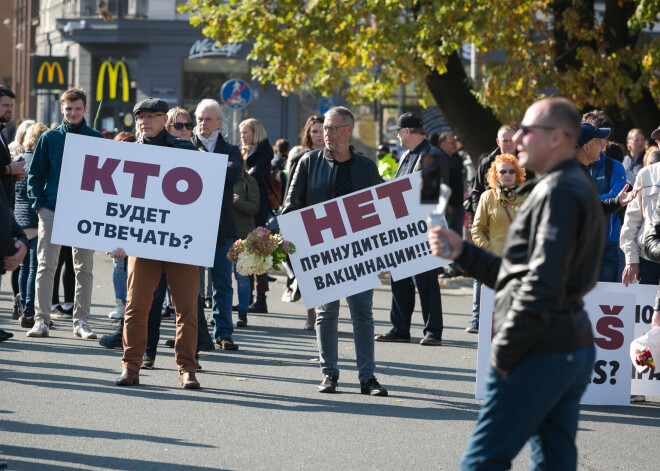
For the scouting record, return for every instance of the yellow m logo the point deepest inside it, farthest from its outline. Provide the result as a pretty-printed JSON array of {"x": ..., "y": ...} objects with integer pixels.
[
  {"x": 113, "y": 71},
  {"x": 50, "y": 68}
]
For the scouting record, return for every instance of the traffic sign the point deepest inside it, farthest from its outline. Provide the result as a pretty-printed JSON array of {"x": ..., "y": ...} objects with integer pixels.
[{"x": 236, "y": 93}]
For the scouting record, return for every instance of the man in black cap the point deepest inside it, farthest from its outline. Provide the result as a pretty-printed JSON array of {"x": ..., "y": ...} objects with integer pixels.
[
  {"x": 42, "y": 186},
  {"x": 410, "y": 132},
  {"x": 144, "y": 275}
]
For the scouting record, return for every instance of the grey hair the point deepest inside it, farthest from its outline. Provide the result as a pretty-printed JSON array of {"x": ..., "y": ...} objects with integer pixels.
[
  {"x": 344, "y": 113},
  {"x": 210, "y": 103}
]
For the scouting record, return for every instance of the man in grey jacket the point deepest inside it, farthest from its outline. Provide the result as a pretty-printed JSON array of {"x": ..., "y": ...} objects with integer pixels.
[
  {"x": 322, "y": 175},
  {"x": 542, "y": 353}
]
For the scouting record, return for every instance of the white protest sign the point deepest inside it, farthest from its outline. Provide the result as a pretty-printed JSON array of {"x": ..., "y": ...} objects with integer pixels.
[
  {"x": 154, "y": 202},
  {"x": 646, "y": 383},
  {"x": 612, "y": 315},
  {"x": 344, "y": 243}
]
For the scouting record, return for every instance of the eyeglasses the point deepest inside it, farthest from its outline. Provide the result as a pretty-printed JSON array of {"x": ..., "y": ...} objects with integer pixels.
[
  {"x": 146, "y": 116},
  {"x": 180, "y": 126},
  {"x": 527, "y": 129},
  {"x": 333, "y": 129},
  {"x": 511, "y": 171}
]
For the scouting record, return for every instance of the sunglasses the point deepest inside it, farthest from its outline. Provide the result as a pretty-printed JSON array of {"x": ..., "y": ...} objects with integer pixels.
[
  {"x": 511, "y": 171},
  {"x": 180, "y": 126}
]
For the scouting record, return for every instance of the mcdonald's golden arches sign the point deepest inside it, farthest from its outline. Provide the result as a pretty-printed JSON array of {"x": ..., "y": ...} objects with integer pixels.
[
  {"x": 50, "y": 73},
  {"x": 113, "y": 72}
]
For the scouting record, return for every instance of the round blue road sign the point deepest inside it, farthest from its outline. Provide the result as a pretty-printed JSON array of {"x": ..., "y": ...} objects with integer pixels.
[{"x": 236, "y": 93}]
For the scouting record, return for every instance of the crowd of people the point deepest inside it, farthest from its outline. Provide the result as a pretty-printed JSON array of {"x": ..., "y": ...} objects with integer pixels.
[{"x": 556, "y": 171}]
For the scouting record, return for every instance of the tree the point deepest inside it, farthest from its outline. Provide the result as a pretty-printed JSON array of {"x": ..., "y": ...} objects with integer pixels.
[{"x": 364, "y": 50}]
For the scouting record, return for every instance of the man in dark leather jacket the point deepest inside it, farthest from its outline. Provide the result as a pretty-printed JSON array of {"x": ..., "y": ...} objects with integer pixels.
[
  {"x": 542, "y": 353},
  {"x": 320, "y": 176}
]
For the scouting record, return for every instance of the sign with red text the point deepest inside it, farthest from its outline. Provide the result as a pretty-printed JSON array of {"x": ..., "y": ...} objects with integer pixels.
[
  {"x": 344, "y": 243},
  {"x": 155, "y": 202},
  {"x": 612, "y": 316}
]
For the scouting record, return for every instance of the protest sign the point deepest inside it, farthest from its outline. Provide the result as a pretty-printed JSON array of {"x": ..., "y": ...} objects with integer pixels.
[
  {"x": 611, "y": 310},
  {"x": 154, "y": 202},
  {"x": 344, "y": 243}
]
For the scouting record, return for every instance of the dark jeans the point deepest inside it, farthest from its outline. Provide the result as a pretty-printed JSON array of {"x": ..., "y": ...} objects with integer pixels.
[
  {"x": 539, "y": 402},
  {"x": 26, "y": 278},
  {"x": 649, "y": 272},
  {"x": 155, "y": 317},
  {"x": 403, "y": 304},
  {"x": 609, "y": 265},
  {"x": 65, "y": 267}
]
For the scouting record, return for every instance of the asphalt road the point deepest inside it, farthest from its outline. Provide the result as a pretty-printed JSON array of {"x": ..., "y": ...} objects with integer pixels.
[{"x": 258, "y": 407}]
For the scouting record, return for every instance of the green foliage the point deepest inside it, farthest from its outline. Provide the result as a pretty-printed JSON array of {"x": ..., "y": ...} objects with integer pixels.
[{"x": 364, "y": 49}]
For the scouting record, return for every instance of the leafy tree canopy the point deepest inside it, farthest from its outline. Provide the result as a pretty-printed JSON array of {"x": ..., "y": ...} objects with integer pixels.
[{"x": 364, "y": 50}]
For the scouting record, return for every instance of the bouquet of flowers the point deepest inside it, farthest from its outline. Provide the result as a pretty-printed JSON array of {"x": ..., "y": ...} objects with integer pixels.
[
  {"x": 259, "y": 251},
  {"x": 644, "y": 349}
]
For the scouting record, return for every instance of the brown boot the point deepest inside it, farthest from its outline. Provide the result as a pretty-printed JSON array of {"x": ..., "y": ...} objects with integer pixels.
[
  {"x": 189, "y": 381},
  {"x": 128, "y": 378}
]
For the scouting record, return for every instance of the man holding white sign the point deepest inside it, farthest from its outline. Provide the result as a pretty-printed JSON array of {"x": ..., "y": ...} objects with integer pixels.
[
  {"x": 322, "y": 175},
  {"x": 42, "y": 186},
  {"x": 144, "y": 275},
  {"x": 543, "y": 349}
]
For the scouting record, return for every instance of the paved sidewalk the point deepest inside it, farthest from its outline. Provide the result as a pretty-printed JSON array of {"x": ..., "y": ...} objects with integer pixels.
[{"x": 258, "y": 407}]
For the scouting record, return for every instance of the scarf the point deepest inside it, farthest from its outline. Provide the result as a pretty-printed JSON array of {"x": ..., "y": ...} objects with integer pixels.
[{"x": 505, "y": 193}]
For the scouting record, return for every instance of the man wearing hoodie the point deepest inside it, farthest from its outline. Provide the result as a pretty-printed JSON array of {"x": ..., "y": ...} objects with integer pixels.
[{"x": 42, "y": 185}]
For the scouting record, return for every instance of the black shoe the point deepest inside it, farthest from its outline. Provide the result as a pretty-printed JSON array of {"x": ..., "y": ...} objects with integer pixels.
[
  {"x": 206, "y": 346},
  {"x": 430, "y": 341},
  {"x": 169, "y": 343},
  {"x": 208, "y": 303},
  {"x": 4, "y": 335},
  {"x": 113, "y": 340},
  {"x": 167, "y": 311},
  {"x": 18, "y": 311},
  {"x": 272, "y": 279},
  {"x": 148, "y": 362},
  {"x": 329, "y": 384},
  {"x": 242, "y": 319},
  {"x": 390, "y": 337},
  {"x": 372, "y": 388},
  {"x": 259, "y": 306}
]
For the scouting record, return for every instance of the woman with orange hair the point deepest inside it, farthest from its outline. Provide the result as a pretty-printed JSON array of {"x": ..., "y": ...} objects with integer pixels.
[{"x": 497, "y": 208}]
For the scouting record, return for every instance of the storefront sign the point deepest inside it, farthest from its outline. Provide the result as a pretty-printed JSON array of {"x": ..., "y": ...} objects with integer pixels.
[
  {"x": 50, "y": 72},
  {"x": 344, "y": 243},
  {"x": 113, "y": 73},
  {"x": 618, "y": 315},
  {"x": 208, "y": 47},
  {"x": 154, "y": 202}
]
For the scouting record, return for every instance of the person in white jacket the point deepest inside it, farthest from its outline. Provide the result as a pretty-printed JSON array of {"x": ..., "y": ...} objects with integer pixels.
[{"x": 638, "y": 223}]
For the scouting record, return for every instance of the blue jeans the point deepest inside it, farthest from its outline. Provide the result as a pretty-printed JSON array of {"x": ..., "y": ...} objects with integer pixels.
[
  {"x": 243, "y": 287},
  {"x": 120, "y": 277},
  {"x": 476, "y": 303},
  {"x": 327, "y": 334},
  {"x": 609, "y": 265},
  {"x": 539, "y": 402},
  {"x": 26, "y": 278},
  {"x": 223, "y": 293}
]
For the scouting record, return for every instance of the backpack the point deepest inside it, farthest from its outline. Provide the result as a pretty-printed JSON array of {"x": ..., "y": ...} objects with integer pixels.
[{"x": 274, "y": 185}]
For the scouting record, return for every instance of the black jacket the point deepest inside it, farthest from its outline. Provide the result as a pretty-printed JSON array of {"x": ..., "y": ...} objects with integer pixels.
[
  {"x": 258, "y": 165},
  {"x": 227, "y": 228},
  {"x": 314, "y": 179},
  {"x": 10, "y": 231},
  {"x": 551, "y": 260},
  {"x": 652, "y": 247}
]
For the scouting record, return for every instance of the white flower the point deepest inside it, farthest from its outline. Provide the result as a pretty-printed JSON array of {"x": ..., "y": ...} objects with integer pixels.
[{"x": 252, "y": 264}]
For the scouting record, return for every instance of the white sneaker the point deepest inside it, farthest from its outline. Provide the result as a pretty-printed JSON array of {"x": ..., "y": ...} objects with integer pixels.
[
  {"x": 39, "y": 329},
  {"x": 82, "y": 330},
  {"x": 118, "y": 312}
]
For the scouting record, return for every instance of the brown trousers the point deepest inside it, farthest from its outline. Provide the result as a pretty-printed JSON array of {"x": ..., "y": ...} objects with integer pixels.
[{"x": 183, "y": 281}]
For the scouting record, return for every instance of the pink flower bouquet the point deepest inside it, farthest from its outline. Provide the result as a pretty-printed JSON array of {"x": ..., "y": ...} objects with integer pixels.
[{"x": 259, "y": 251}]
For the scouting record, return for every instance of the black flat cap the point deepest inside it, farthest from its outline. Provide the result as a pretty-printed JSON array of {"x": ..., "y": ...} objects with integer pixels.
[{"x": 154, "y": 105}]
